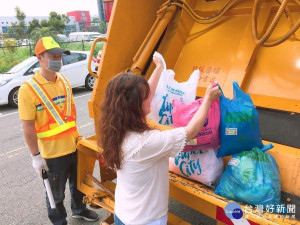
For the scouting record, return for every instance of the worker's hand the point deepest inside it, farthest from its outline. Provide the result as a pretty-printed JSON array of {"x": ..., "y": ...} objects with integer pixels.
[
  {"x": 39, "y": 163},
  {"x": 212, "y": 92},
  {"x": 78, "y": 138}
]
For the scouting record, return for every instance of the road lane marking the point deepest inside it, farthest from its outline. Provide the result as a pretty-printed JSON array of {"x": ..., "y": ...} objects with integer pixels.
[
  {"x": 8, "y": 114},
  {"x": 10, "y": 153},
  {"x": 82, "y": 95},
  {"x": 13, "y": 152},
  {"x": 3, "y": 115},
  {"x": 88, "y": 124},
  {"x": 18, "y": 149},
  {"x": 10, "y": 156}
]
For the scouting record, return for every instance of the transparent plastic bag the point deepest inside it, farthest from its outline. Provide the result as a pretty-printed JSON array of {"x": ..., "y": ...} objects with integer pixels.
[
  {"x": 202, "y": 166},
  {"x": 169, "y": 89}
]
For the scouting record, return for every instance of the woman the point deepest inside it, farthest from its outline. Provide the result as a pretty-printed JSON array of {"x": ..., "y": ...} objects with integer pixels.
[{"x": 138, "y": 153}]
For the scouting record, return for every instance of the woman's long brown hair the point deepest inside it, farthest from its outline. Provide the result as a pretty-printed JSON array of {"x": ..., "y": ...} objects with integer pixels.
[{"x": 122, "y": 111}]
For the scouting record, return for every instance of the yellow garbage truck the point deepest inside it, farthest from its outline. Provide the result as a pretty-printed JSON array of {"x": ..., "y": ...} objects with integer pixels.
[{"x": 253, "y": 42}]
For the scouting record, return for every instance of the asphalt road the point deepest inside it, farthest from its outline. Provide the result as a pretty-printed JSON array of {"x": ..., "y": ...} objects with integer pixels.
[{"x": 22, "y": 195}]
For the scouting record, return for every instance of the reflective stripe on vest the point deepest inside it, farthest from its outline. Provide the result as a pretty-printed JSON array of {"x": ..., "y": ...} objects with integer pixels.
[
  {"x": 57, "y": 130},
  {"x": 49, "y": 105},
  {"x": 68, "y": 97}
]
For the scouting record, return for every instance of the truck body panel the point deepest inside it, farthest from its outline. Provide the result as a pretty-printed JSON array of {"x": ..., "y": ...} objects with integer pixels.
[{"x": 223, "y": 50}]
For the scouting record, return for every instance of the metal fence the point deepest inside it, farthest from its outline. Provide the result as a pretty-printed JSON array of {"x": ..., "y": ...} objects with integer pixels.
[{"x": 82, "y": 46}]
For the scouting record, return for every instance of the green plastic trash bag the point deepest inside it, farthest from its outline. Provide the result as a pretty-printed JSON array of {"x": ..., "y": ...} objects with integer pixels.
[{"x": 251, "y": 177}]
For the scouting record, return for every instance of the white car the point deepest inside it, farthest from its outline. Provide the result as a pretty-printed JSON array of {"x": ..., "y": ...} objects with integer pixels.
[{"x": 74, "y": 68}]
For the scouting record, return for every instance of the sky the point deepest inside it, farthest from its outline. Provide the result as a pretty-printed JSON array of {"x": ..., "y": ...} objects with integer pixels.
[{"x": 43, "y": 8}]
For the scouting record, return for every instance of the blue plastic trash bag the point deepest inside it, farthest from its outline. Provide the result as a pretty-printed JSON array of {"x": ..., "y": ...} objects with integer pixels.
[
  {"x": 251, "y": 177},
  {"x": 239, "y": 126}
]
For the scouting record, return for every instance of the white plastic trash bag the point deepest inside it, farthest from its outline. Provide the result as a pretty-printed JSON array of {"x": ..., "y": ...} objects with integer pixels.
[
  {"x": 169, "y": 89},
  {"x": 202, "y": 166}
]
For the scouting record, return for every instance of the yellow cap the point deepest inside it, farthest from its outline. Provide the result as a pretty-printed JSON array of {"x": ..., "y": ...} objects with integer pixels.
[{"x": 48, "y": 44}]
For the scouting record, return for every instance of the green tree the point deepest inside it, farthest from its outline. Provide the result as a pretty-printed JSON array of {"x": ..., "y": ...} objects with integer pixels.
[
  {"x": 35, "y": 23},
  {"x": 44, "y": 23},
  {"x": 51, "y": 27},
  {"x": 65, "y": 18},
  {"x": 17, "y": 30},
  {"x": 102, "y": 27},
  {"x": 57, "y": 22},
  {"x": 95, "y": 20},
  {"x": 11, "y": 32},
  {"x": 38, "y": 33},
  {"x": 10, "y": 45},
  {"x": 94, "y": 25}
]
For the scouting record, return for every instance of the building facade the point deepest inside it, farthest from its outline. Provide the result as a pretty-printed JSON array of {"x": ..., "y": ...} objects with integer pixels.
[
  {"x": 78, "y": 21},
  {"x": 7, "y": 21},
  {"x": 82, "y": 18}
]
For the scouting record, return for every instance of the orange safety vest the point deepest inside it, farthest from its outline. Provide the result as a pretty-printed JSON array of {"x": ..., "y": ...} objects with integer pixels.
[{"x": 59, "y": 123}]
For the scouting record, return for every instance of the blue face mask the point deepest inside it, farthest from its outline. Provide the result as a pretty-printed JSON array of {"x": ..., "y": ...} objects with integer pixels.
[{"x": 54, "y": 65}]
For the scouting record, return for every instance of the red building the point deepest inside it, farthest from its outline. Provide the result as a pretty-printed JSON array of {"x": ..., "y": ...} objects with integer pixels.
[
  {"x": 82, "y": 17},
  {"x": 108, "y": 4}
]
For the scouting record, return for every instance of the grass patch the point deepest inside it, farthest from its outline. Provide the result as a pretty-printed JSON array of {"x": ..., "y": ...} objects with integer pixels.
[{"x": 10, "y": 58}]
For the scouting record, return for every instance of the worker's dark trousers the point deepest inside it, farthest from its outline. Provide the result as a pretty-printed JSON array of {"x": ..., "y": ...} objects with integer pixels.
[{"x": 60, "y": 170}]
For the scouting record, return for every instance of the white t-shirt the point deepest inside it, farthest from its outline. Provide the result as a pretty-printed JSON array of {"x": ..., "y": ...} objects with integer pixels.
[{"x": 142, "y": 190}]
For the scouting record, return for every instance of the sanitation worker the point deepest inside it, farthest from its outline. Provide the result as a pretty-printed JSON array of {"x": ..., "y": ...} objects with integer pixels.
[{"x": 47, "y": 111}]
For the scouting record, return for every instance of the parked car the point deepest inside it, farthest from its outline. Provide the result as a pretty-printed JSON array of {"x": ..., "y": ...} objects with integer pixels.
[
  {"x": 74, "y": 68},
  {"x": 62, "y": 38},
  {"x": 83, "y": 36},
  {"x": 94, "y": 36},
  {"x": 24, "y": 42}
]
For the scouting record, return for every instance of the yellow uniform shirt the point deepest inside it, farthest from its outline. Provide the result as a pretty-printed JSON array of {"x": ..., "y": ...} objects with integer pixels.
[{"x": 30, "y": 108}]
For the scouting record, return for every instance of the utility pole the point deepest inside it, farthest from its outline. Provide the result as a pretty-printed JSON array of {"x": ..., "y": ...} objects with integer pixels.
[{"x": 101, "y": 13}]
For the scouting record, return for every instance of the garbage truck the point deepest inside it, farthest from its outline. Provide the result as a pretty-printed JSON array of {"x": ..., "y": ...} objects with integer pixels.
[{"x": 253, "y": 42}]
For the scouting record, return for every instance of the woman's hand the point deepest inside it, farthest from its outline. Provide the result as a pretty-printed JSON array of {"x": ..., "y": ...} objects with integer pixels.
[
  {"x": 157, "y": 60},
  {"x": 196, "y": 123},
  {"x": 153, "y": 80},
  {"x": 212, "y": 92}
]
